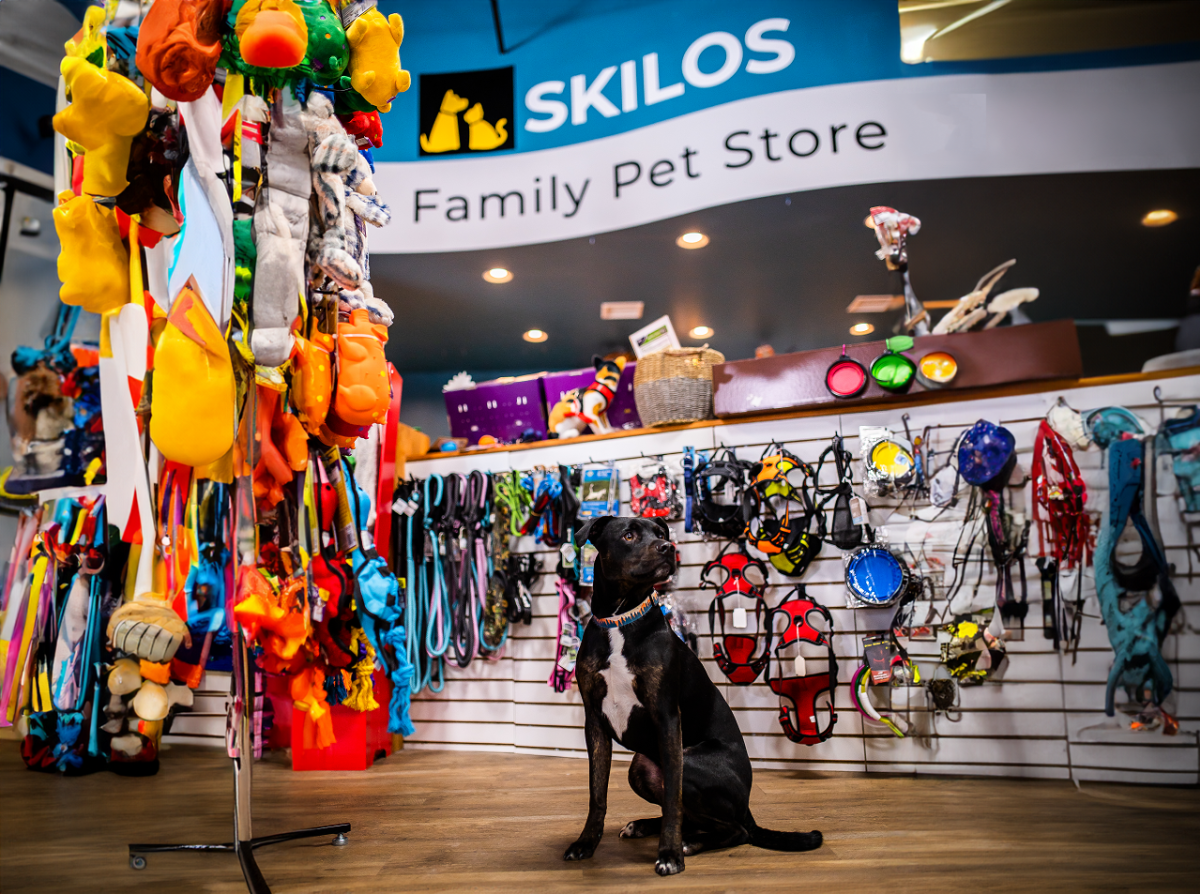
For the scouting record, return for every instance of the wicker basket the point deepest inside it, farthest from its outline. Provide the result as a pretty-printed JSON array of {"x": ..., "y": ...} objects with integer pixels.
[{"x": 675, "y": 386}]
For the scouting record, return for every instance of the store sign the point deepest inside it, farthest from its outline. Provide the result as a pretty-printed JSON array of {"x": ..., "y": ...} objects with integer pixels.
[
  {"x": 882, "y": 131},
  {"x": 466, "y": 112}
]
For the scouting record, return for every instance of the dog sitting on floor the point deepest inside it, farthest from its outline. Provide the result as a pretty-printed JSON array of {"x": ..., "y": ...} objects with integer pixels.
[{"x": 644, "y": 688}]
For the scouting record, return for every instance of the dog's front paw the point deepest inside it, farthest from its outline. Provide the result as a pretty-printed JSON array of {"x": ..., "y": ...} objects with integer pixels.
[
  {"x": 669, "y": 865},
  {"x": 580, "y": 850}
]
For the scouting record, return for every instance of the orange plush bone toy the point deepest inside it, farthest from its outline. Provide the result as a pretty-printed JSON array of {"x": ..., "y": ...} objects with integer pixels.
[
  {"x": 363, "y": 387},
  {"x": 178, "y": 45}
]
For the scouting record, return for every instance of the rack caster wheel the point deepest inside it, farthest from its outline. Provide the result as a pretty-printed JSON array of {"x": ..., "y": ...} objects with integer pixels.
[
  {"x": 340, "y": 840},
  {"x": 137, "y": 861}
]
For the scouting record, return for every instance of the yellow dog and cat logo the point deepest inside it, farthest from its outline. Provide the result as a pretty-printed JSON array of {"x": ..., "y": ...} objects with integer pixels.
[{"x": 468, "y": 111}]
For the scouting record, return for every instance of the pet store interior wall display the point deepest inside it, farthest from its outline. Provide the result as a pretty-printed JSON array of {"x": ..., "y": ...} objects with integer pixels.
[{"x": 950, "y": 552}]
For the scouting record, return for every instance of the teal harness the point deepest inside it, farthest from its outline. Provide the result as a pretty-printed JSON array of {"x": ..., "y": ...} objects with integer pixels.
[{"x": 1137, "y": 633}]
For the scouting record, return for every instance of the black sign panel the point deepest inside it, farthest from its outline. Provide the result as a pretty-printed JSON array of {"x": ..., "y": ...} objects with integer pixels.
[{"x": 467, "y": 112}]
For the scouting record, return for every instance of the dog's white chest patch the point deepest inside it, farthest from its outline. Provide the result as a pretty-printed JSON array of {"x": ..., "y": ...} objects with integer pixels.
[{"x": 619, "y": 697}]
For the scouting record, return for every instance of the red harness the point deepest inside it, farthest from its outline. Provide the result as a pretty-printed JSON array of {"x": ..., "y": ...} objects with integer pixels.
[
  {"x": 735, "y": 652},
  {"x": 803, "y": 692}
]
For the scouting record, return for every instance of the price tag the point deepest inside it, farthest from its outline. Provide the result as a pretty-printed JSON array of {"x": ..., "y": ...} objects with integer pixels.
[
  {"x": 858, "y": 510},
  {"x": 801, "y": 668},
  {"x": 739, "y": 618}
]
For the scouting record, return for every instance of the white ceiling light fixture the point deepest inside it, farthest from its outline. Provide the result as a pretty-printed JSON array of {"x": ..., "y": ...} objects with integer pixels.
[
  {"x": 537, "y": 336},
  {"x": 693, "y": 239},
  {"x": 622, "y": 310},
  {"x": 862, "y": 329},
  {"x": 701, "y": 332},
  {"x": 498, "y": 274}
]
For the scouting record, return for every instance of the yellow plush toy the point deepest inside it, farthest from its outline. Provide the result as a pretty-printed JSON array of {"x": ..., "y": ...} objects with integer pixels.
[
  {"x": 193, "y": 380},
  {"x": 107, "y": 111},
  {"x": 92, "y": 262},
  {"x": 375, "y": 70}
]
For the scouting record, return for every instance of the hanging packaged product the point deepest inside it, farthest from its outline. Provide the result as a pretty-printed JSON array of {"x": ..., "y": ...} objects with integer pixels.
[
  {"x": 600, "y": 492},
  {"x": 892, "y": 370},
  {"x": 889, "y": 463},
  {"x": 653, "y": 493},
  {"x": 1178, "y": 438},
  {"x": 875, "y": 577}
]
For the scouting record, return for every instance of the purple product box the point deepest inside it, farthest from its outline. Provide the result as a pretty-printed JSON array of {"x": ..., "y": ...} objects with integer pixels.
[
  {"x": 504, "y": 409},
  {"x": 623, "y": 411}
]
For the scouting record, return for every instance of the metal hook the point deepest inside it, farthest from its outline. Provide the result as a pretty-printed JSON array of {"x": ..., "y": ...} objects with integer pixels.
[{"x": 1158, "y": 393}]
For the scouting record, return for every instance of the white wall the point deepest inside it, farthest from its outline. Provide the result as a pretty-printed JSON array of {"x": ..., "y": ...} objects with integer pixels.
[{"x": 1035, "y": 723}]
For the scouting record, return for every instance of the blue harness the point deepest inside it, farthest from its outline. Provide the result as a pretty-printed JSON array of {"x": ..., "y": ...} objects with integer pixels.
[{"x": 1137, "y": 633}]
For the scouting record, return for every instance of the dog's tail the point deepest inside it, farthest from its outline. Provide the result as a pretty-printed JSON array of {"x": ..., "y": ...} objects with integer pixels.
[{"x": 782, "y": 841}]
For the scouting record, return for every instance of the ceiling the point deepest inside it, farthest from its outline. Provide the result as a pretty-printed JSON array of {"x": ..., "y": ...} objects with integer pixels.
[
  {"x": 953, "y": 30},
  {"x": 782, "y": 270}
]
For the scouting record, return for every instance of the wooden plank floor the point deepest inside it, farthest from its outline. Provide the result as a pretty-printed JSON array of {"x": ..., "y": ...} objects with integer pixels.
[{"x": 455, "y": 822}]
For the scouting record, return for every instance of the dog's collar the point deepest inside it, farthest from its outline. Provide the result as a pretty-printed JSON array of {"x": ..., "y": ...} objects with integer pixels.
[{"x": 627, "y": 618}]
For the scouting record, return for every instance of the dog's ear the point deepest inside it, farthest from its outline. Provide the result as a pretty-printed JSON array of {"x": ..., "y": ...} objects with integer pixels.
[
  {"x": 661, "y": 524},
  {"x": 592, "y": 528}
]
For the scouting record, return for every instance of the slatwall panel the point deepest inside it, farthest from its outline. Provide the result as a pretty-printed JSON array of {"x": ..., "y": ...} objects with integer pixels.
[{"x": 1044, "y": 719}]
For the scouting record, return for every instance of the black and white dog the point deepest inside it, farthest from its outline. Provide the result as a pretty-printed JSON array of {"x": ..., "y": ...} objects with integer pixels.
[{"x": 643, "y": 687}]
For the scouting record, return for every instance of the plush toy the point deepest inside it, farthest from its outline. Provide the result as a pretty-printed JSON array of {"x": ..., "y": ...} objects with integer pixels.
[
  {"x": 266, "y": 34},
  {"x": 93, "y": 264},
  {"x": 334, "y": 157},
  {"x": 365, "y": 127},
  {"x": 363, "y": 387},
  {"x": 375, "y": 72},
  {"x": 280, "y": 234},
  {"x": 312, "y": 379},
  {"x": 598, "y": 395},
  {"x": 193, "y": 380},
  {"x": 566, "y": 416},
  {"x": 178, "y": 45},
  {"x": 107, "y": 111},
  {"x": 327, "y": 52}
]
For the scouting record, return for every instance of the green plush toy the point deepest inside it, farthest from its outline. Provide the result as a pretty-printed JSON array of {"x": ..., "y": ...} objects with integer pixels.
[{"x": 328, "y": 52}]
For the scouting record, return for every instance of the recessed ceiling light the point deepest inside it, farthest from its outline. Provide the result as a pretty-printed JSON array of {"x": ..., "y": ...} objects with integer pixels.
[
  {"x": 862, "y": 329},
  {"x": 701, "y": 332},
  {"x": 1159, "y": 218},
  {"x": 535, "y": 335},
  {"x": 692, "y": 240},
  {"x": 498, "y": 274}
]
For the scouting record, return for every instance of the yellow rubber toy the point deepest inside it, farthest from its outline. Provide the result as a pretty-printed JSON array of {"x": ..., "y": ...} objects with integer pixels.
[
  {"x": 375, "y": 70},
  {"x": 192, "y": 394},
  {"x": 93, "y": 265},
  {"x": 107, "y": 111}
]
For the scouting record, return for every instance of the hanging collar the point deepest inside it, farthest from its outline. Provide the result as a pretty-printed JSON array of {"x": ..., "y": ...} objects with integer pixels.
[{"x": 624, "y": 620}]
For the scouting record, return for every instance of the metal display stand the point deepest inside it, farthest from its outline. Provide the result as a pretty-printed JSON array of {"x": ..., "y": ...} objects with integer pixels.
[{"x": 244, "y": 844}]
